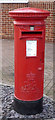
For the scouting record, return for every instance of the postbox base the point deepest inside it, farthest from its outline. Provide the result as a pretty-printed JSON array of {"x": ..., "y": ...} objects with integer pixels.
[{"x": 28, "y": 107}]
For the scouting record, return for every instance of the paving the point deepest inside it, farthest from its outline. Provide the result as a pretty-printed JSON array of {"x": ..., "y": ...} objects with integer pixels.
[{"x": 7, "y": 65}]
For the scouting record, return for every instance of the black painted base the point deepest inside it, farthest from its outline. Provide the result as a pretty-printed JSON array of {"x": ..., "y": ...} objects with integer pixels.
[{"x": 28, "y": 107}]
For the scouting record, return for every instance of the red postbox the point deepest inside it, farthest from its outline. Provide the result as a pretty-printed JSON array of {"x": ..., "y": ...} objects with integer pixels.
[{"x": 29, "y": 41}]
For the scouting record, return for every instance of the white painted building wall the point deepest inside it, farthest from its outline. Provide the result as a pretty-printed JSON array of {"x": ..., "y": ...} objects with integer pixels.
[{"x": 14, "y": 1}]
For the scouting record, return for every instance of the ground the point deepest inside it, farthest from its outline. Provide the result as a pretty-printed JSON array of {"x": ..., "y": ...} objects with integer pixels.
[
  {"x": 7, "y": 82},
  {"x": 8, "y": 112}
]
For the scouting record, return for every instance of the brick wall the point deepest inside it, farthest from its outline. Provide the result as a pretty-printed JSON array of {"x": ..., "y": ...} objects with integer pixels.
[
  {"x": 49, "y": 21},
  {"x": 54, "y": 21},
  {"x": 0, "y": 21},
  {"x": 7, "y": 22}
]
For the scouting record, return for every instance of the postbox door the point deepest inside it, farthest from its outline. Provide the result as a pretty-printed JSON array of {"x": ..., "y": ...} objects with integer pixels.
[{"x": 29, "y": 68}]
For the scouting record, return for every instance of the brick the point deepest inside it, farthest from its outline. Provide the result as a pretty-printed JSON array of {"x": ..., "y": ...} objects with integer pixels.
[{"x": 7, "y": 22}]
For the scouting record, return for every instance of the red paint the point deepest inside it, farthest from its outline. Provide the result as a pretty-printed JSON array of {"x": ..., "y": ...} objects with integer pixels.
[{"x": 29, "y": 71}]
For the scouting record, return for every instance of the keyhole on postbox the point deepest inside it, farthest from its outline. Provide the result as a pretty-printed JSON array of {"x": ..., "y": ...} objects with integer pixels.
[
  {"x": 43, "y": 57},
  {"x": 40, "y": 59}
]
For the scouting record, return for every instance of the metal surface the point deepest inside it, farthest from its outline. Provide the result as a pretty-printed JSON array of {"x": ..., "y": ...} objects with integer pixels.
[{"x": 29, "y": 70}]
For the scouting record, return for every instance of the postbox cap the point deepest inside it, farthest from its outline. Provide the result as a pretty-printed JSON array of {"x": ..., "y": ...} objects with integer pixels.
[{"x": 28, "y": 12}]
